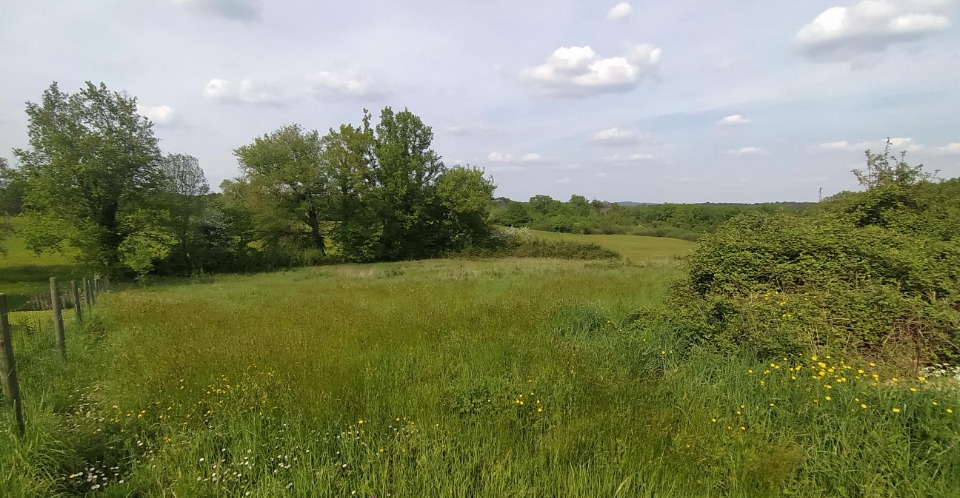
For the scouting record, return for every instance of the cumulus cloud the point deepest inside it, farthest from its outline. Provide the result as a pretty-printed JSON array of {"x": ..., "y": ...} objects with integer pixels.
[
  {"x": 618, "y": 136},
  {"x": 897, "y": 144},
  {"x": 841, "y": 33},
  {"x": 238, "y": 10},
  {"x": 619, "y": 11},
  {"x": 246, "y": 91},
  {"x": 499, "y": 157},
  {"x": 578, "y": 72},
  {"x": 158, "y": 114},
  {"x": 629, "y": 158},
  {"x": 349, "y": 83},
  {"x": 748, "y": 151},
  {"x": 733, "y": 120},
  {"x": 951, "y": 148}
]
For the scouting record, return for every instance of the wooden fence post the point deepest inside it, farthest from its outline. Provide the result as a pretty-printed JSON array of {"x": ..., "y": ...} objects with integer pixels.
[
  {"x": 86, "y": 291},
  {"x": 8, "y": 369},
  {"x": 56, "y": 307},
  {"x": 76, "y": 300},
  {"x": 93, "y": 291}
]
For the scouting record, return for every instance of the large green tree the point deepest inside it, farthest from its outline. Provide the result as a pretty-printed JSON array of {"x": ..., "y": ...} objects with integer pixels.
[
  {"x": 405, "y": 168},
  {"x": 348, "y": 156},
  {"x": 90, "y": 173},
  {"x": 284, "y": 183}
]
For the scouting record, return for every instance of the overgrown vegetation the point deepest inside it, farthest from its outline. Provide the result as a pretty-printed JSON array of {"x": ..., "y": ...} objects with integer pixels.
[
  {"x": 872, "y": 274},
  {"x": 94, "y": 183},
  {"x": 679, "y": 221},
  {"x": 455, "y": 377}
]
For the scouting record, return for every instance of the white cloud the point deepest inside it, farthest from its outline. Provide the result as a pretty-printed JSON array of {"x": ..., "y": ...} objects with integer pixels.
[
  {"x": 564, "y": 180},
  {"x": 951, "y": 148},
  {"x": 348, "y": 83},
  {"x": 748, "y": 151},
  {"x": 897, "y": 144},
  {"x": 629, "y": 158},
  {"x": 578, "y": 72},
  {"x": 619, "y": 11},
  {"x": 618, "y": 136},
  {"x": 246, "y": 91},
  {"x": 240, "y": 10},
  {"x": 734, "y": 120},
  {"x": 500, "y": 157},
  {"x": 841, "y": 33},
  {"x": 159, "y": 114}
]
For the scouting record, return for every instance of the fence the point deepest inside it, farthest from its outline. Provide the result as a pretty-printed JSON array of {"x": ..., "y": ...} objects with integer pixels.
[{"x": 8, "y": 369}]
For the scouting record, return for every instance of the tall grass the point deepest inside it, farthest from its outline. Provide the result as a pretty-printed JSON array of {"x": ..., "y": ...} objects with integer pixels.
[{"x": 454, "y": 378}]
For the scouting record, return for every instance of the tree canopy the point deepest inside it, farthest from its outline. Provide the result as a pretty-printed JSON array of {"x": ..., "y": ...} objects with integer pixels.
[{"x": 91, "y": 167}]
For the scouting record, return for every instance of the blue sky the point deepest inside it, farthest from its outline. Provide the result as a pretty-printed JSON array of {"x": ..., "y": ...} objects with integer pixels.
[{"x": 683, "y": 101}]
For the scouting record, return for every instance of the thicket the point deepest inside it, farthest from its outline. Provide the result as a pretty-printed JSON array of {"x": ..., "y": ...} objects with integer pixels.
[
  {"x": 679, "y": 221},
  {"x": 93, "y": 181},
  {"x": 874, "y": 273}
]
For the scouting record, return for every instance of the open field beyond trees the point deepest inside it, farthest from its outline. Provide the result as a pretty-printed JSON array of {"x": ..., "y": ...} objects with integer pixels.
[{"x": 491, "y": 377}]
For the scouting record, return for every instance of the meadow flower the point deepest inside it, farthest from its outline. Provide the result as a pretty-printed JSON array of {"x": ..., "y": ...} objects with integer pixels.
[{"x": 896, "y": 410}]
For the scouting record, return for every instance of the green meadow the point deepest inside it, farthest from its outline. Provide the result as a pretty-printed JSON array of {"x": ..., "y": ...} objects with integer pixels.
[{"x": 455, "y": 377}]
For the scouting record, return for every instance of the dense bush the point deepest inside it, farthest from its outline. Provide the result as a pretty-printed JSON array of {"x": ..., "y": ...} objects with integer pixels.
[
  {"x": 876, "y": 273},
  {"x": 511, "y": 242}
]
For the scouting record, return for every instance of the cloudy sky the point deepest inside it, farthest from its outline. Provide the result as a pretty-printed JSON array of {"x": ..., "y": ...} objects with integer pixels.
[{"x": 681, "y": 101}]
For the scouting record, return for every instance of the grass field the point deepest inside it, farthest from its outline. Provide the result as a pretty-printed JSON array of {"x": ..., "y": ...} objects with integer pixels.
[
  {"x": 25, "y": 274},
  {"x": 453, "y": 378},
  {"x": 636, "y": 248}
]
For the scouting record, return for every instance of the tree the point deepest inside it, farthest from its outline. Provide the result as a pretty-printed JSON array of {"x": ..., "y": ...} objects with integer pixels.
[
  {"x": 11, "y": 189},
  {"x": 405, "y": 169},
  {"x": 284, "y": 179},
  {"x": 92, "y": 163},
  {"x": 463, "y": 202},
  {"x": 348, "y": 156},
  {"x": 186, "y": 199}
]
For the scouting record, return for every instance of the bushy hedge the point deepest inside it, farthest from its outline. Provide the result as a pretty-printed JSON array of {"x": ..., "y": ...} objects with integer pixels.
[{"x": 875, "y": 273}]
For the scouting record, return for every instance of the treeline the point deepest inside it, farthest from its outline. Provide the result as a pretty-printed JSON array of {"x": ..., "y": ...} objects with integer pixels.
[
  {"x": 578, "y": 215},
  {"x": 873, "y": 273},
  {"x": 94, "y": 180}
]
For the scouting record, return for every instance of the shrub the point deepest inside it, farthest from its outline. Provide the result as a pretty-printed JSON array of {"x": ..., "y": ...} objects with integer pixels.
[{"x": 864, "y": 274}]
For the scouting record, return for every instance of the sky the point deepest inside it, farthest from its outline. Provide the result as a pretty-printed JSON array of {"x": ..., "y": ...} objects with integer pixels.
[{"x": 681, "y": 101}]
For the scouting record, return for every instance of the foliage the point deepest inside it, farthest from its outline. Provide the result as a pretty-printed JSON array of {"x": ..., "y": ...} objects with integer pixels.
[
  {"x": 453, "y": 378},
  {"x": 284, "y": 182},
  {"x": 680, "y": 221},
  {"x": 872, "y": 273},
  {"x": 11, "y": 190},
  {"x": 381, "y": 192},
  {"x": 521, "y": 243},
  {"x": 92, "y": 161}
]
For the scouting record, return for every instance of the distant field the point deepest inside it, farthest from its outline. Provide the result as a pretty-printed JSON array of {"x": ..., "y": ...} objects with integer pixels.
[
  {"x": 633, "y": 247},
  {"x": 24, "y": 274}
]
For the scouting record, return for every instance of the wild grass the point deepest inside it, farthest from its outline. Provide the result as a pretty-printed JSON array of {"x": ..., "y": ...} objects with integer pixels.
[
  {"x": 25, "y": 274},
  {"x": 637, "y": 248},
  {"x": 454, "y": 378}
]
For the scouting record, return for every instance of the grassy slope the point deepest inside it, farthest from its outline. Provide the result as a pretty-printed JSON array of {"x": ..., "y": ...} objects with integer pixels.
[{"x": 452, "y": 378}]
